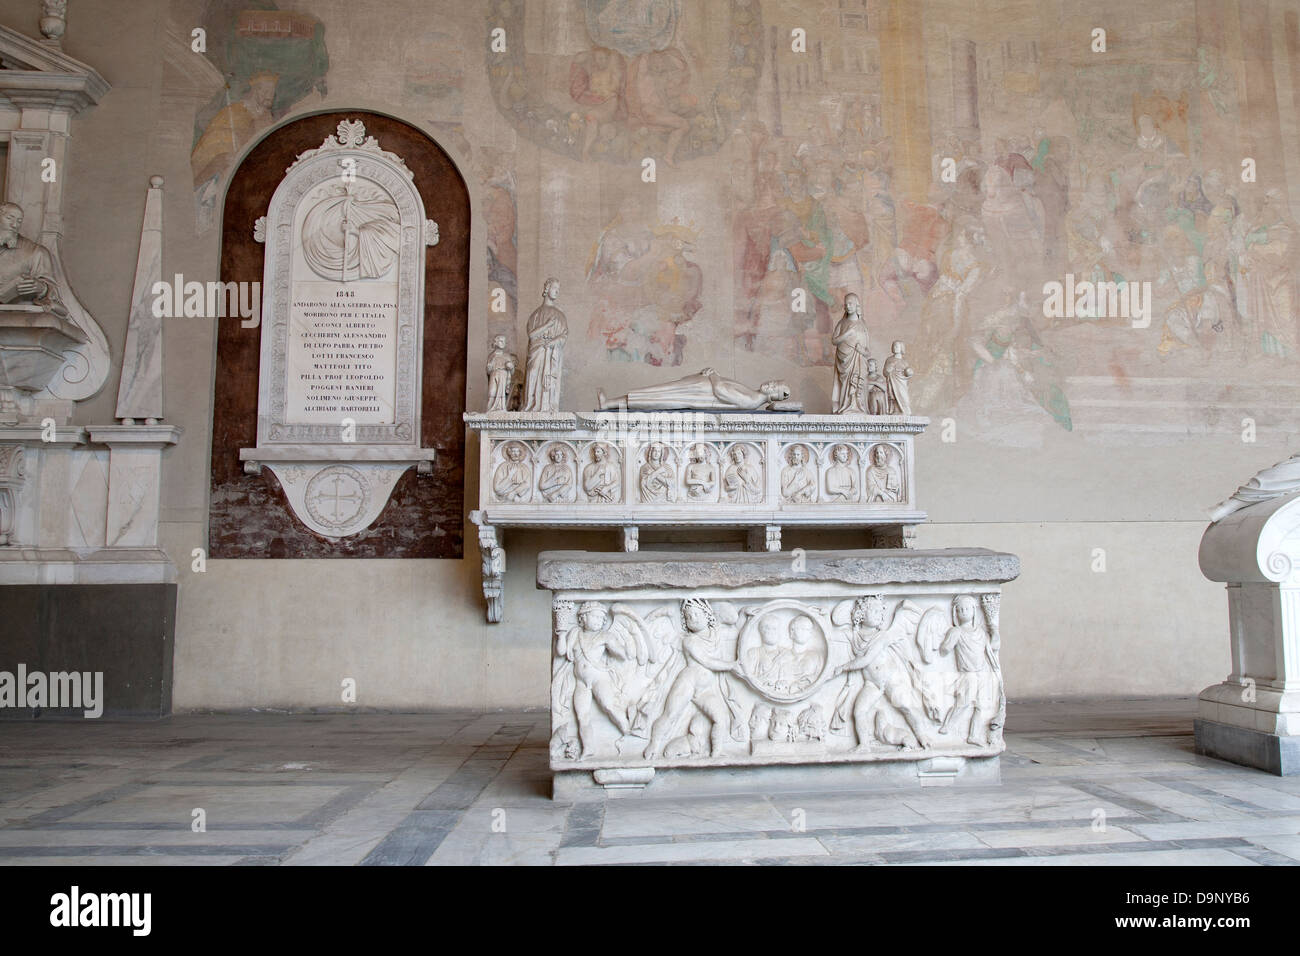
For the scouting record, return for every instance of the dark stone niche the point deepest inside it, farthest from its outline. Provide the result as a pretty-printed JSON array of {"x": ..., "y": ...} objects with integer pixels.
[{"x": 248, "y": 514}]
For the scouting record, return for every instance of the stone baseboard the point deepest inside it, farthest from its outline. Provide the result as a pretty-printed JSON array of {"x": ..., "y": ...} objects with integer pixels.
[
  {"x": 124, "y": 631},
  {"x": 1274, "y": 753},
  {"x": 576, "y": 785}
]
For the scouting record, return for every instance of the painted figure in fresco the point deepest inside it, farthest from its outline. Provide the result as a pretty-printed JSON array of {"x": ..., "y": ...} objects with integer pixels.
[
  {"x": 852, "y": 351},
  {"x": 884, "y": 481},
  {"x": 600, "y": 480},
  {"x": 596, "y": 79},
  {"x": 879, "y": 656},
  {"x": 513, "y": 480},
  {"x": 646, "y": 290},
  {"x": 1267, "y": 272},
  {"x": 547, "y": 332},
  {"x": 500, "y": 373},
  {"x": 976, "y": 688},
  {"x": 233, "y": 127},
  {"x": 798, "y": 485},
  {"x": 841, "y": 478},
  {"x": 656, "y": 480},
  {"x": 742, "y": 483},
  {"x": 556, "y": 480},
  {"x": 698, "y": 683}
]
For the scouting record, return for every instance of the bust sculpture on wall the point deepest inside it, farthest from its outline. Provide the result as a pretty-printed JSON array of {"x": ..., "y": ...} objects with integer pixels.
[{"x": 547, "y": 332}]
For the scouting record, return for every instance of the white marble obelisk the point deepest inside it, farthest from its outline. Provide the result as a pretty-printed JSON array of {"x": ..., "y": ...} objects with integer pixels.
[{"x": 139, "y": 396}]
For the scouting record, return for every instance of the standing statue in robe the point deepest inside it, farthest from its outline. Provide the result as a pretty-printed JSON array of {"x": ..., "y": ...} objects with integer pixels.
[
  {"x": 852, "y": 351},
  {"x": 500, "y": 372},
  {"x": 897, "y": 372},
  {"x": 547, "y": 332}
]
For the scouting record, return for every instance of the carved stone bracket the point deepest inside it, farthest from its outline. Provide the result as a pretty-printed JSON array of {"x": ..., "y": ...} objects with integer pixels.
[{"x": 494, "y": 568}]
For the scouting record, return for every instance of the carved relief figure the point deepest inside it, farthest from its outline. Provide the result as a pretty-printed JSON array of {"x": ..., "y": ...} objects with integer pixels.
[
  {"x": 603, "y": 648},
  {"x": 879, "y": 656},
  {"x": 513, "y": 480},
  {"x": 841, "y": 477},
  {"x": 706, "y": 390},
  {"x": 600, "y": 479},
  {"x": 500, "y": 372},
  {"x": 897, "y": 372},
  {"x": 352, "y": 233},
  {"x": 798, "y": 485},
  {"x": 656, "y": 480},
  {"x": 765, "y": 662},
  {"x": 807, "y": 656},
  {"x": 743, "y": 481},
  {"x": 877, "y": 390},
  {"x": 884, "y": 480},
  {"x": 812, "y": 723},
  {"x": 698, "y": 683},
  {"x": 548, "y": 330},
  {"x": 975, "y": 653},
  {"x": 852, "y": 350},
  {"x": 556, "y": 480},
  {"x": 701, "y": 477}
]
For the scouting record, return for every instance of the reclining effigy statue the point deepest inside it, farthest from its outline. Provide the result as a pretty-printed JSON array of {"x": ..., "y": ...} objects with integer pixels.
[{"x": 706, "y": 390}]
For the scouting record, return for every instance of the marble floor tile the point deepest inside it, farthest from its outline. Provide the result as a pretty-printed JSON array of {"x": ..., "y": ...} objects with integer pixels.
[{"x": 474, "y": 788}]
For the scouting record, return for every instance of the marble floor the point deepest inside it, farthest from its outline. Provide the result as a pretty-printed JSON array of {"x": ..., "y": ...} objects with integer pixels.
[{"x": 1092, "y": 782}]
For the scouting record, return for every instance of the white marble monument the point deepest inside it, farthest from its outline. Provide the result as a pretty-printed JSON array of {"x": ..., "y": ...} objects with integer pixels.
[
  {"x": 1253, "y": 546},
  {"x": 756, "y": 471},
  {"x": 669, "y": 670},
  {"x": 342, "y": 332}
]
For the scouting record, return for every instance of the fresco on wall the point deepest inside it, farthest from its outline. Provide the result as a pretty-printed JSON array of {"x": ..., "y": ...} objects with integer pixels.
[
  {"x": 496, "y": 170},
  {"x": 618, "y": 80},
  {"x": 646, "y": 288},
  {"x": 1123, "y": 172},
  {"x": 272, "y": 59}
]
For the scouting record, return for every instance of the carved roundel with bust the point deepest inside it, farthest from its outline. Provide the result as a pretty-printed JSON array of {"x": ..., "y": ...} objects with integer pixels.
[{"x": 784, "y": 650}]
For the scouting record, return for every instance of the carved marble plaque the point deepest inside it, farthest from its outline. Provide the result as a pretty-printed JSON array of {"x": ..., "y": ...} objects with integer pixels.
[{"x": 342, "y": 332}]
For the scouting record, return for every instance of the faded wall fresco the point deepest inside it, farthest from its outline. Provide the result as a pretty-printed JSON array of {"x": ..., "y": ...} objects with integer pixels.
[
  {"x": 271, "y": 59},
  {"x": 945, "y": 161},
  {"x": 617, "y": 80}
]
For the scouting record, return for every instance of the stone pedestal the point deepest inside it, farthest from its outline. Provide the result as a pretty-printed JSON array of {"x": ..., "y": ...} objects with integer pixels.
[
  {"x": 84, "y": 586},
  {"x": 716, "y": 671},
  {"x": 1253, "y": 717}
]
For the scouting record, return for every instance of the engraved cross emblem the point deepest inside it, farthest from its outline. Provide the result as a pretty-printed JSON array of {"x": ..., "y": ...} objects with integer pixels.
[{"x": 336, "y": 498}]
